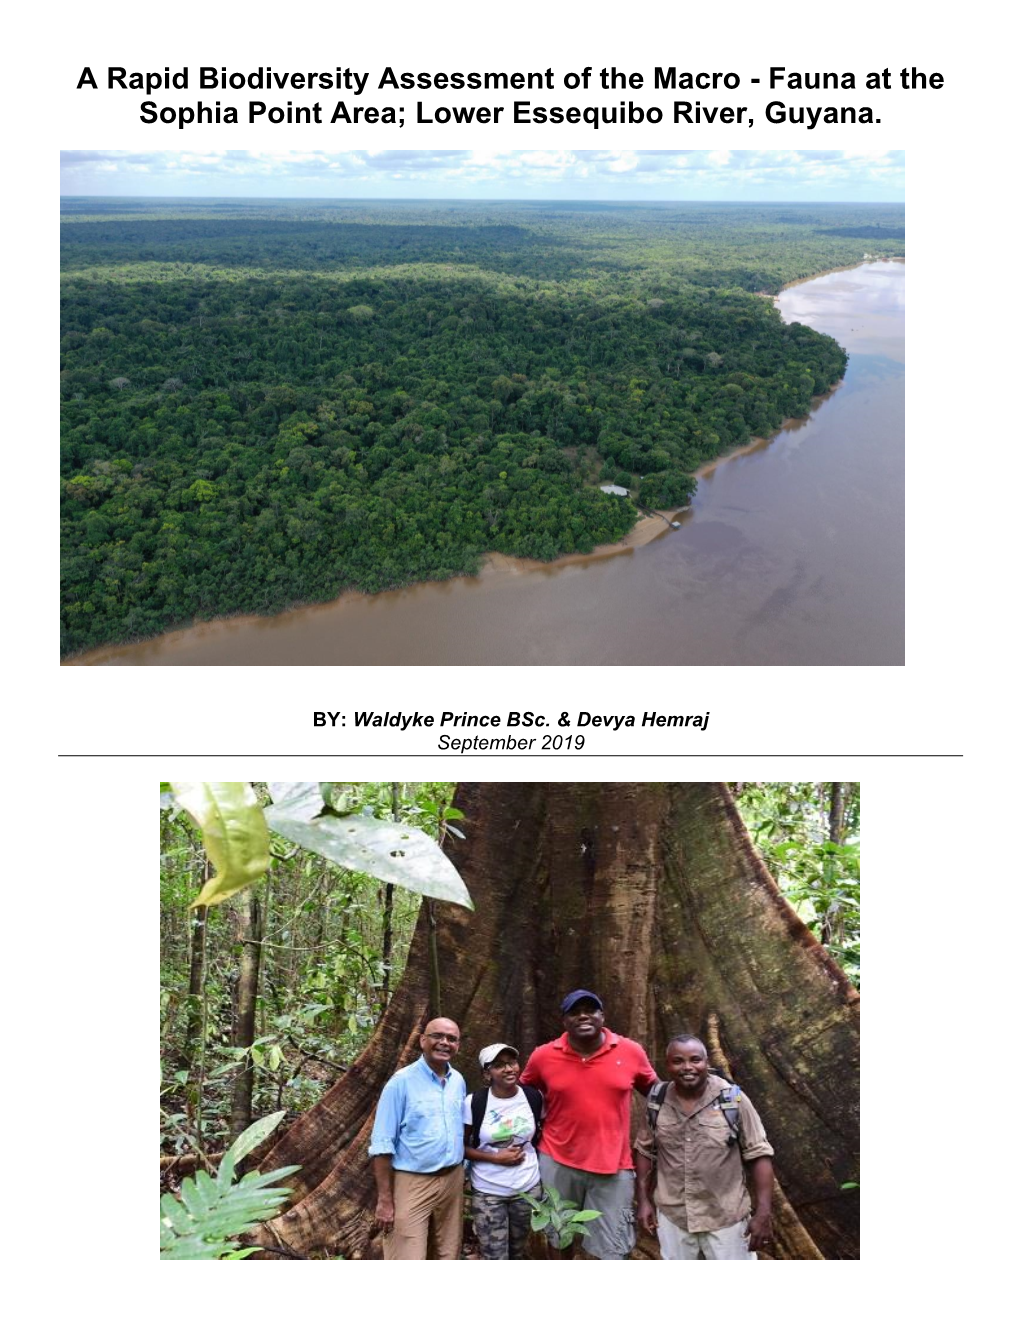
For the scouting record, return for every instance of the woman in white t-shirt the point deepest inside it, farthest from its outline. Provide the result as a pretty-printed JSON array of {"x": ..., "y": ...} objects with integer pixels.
[{"x": 501, "y": 1122}]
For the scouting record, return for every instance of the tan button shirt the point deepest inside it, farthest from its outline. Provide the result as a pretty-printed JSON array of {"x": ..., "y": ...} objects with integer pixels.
[{"x": 699, "y": 1181}]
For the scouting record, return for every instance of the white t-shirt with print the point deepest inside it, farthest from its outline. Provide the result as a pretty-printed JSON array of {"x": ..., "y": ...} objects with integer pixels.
[{"x": 505, "y": 1123}]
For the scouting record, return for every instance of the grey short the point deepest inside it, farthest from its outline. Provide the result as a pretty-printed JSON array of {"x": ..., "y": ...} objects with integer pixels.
[{"x": 610, "y": 1237}]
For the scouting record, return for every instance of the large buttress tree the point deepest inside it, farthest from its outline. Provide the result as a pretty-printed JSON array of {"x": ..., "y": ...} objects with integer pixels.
[{"x": 654, "y": 896}]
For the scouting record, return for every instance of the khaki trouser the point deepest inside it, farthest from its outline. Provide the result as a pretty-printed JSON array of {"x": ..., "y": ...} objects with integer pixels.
[
  {"x": 428, "y": 1216},
  {"x": 724, "y": 1244}
]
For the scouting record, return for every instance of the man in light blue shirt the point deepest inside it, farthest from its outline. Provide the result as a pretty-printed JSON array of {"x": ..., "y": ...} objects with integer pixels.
[{"x": 417, "y": 1151}]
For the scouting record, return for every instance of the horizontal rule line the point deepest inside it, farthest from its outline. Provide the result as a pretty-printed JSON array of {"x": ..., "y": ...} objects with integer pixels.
[{"x": 517, "y": 756}]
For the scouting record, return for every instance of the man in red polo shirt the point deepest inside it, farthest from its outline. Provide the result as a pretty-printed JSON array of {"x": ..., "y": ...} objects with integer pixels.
[{"x": 587, "y": 1077}]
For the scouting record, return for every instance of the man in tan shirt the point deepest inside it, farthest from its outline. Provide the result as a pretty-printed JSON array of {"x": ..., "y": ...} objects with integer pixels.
[{"x": 701, "y": 1196}]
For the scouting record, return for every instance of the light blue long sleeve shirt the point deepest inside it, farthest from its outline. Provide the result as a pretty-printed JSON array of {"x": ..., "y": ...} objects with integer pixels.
[{"x": 420, "y": 1120}]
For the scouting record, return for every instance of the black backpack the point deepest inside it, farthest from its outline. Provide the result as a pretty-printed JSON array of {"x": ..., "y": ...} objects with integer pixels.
[
  {"x": 728, "y": 1100},
  {"x": 479, "y": 1099}
]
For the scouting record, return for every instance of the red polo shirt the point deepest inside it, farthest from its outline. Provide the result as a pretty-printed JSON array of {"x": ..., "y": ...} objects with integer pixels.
[{"x": 587, "y": 1121}]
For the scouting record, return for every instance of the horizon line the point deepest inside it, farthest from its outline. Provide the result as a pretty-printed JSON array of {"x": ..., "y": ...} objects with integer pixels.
[{"x": 664, "y": 201}]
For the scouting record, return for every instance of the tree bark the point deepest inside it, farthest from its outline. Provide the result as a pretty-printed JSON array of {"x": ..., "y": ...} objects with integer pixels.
[
  {"x": 250, "y": 934},
  {"x": 196, "y": 979},
  {"x": 837, "y": 829},
  {"x": 387, "y": 930},
  {"x": 652, "y": 895}
]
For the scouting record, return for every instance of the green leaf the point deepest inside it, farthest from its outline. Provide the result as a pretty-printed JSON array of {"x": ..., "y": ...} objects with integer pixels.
[
  {"x": 192, "y": 1201},
  {"x": 273, "y": 1175},
  {"x": 191, "y": 1248},
  {"x": 209, "y": 1214},
  {"x": 173, "y": 1213},
  {"x": 206, "y": 1190},
  {"x": 225, "y": 1174},
  {"x": 397, "y": 854},
  {"x": 233, "y": 831},
  {"x": 254, "y": 1136},
  {"x": 582, "y": 1216}
]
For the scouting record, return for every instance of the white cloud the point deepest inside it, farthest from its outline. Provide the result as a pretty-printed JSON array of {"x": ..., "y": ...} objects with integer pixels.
[
  {"x": 624, "y": 161},
  {"x": 547, "y": 160},
  {"x": 485, "y": 173}
]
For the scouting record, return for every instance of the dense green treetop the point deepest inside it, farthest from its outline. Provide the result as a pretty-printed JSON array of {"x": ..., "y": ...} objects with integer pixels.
[{"x": 272, "y": 402}]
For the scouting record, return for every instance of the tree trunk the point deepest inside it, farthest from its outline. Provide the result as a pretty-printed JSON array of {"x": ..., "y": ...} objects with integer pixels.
[
  {"x": 837, "y": 830},
  {"x": 196, "y": 979},
  {"x": 831, "y": 929},
  {"x": 387, "y": 929},
  {"x": 652, "y": 895},
  {"x": 250, "y": 934}
]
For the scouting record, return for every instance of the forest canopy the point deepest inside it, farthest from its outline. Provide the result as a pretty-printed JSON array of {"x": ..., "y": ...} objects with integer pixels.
[{"x": 269, "y": 402}]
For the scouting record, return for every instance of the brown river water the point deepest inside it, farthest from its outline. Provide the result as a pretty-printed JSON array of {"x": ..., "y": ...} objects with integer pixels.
[{"x": 790, "y": 554}]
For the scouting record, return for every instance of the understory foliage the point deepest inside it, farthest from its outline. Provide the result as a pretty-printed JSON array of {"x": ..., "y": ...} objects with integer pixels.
[
  {"x": 324, "y": 974},
  {"x": 559, "y": 1216},
  {"x": 809, "y": 836},
  {"x": 205, "y": 1219},
  {"x": 270, "y": 403}
]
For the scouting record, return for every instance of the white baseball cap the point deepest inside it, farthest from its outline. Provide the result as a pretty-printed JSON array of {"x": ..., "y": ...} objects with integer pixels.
[{"x": 486, "y": 1056}]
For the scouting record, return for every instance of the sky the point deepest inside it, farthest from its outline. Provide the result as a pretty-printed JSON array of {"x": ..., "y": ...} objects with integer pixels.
[{"x": 807, "y": 176}]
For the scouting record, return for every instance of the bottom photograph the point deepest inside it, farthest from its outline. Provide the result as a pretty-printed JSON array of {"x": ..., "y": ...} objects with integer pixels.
[{"x": 509, "y": 1021}]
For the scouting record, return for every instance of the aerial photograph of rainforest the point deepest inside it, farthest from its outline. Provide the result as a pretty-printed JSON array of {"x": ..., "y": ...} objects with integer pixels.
[{"x": 456, "y": 408}]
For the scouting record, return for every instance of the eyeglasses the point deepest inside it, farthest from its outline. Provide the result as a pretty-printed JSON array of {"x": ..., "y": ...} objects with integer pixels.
[
  {"x": 441, "y": 1035},
  {"x": 507, "y": 1063}
]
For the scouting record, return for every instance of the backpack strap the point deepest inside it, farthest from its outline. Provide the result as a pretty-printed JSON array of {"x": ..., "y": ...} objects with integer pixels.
[
  {"x": 729, "y": 1103},
  {"x": 536, "y": 1100},
  {"x": 654, "y": 1103},
  {"x": 479, "y": 1100}
]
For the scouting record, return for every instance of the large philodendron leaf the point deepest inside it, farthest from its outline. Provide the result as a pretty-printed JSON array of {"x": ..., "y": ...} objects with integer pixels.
[
  {"x": 233, "y": 831},
  {"x": 391, "y": 852}
]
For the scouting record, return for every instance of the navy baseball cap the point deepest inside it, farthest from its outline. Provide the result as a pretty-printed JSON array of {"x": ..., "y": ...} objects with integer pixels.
[{"x": 576, "y": 996}]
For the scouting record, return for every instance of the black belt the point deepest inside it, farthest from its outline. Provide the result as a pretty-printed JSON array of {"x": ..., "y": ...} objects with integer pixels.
[{"x": 431, "y": 1173}]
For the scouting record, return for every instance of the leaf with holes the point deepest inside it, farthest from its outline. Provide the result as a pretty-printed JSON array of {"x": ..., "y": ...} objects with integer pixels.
[{"x": 396, "y": 854}]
